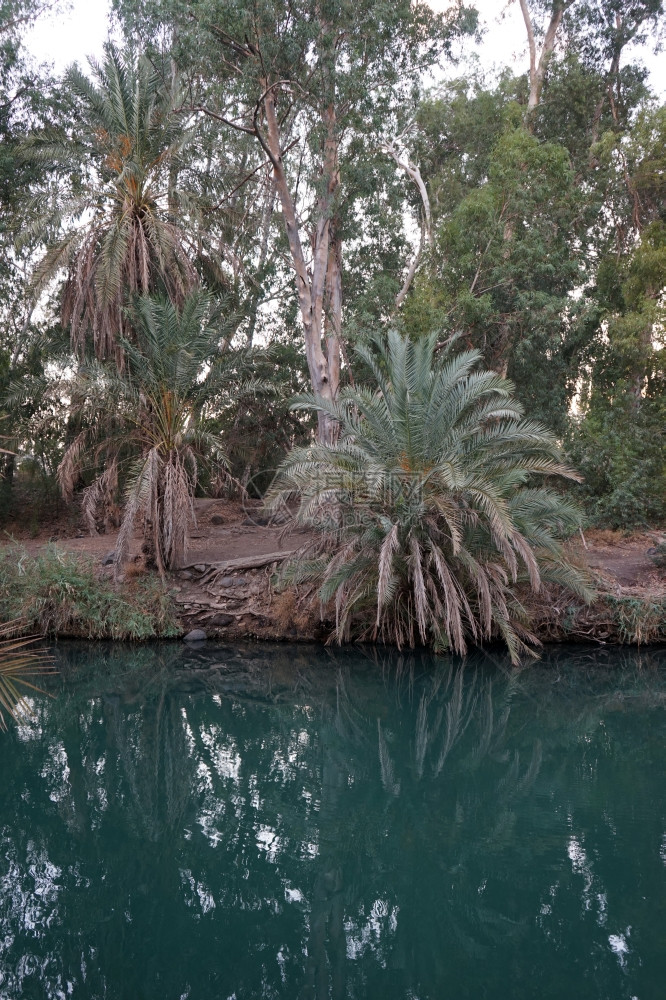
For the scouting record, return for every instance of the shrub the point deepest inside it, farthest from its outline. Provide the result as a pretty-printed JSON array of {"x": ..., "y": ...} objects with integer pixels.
[
  {"x": 620, "y": 452},
  {"x": 57, "y": 593}
]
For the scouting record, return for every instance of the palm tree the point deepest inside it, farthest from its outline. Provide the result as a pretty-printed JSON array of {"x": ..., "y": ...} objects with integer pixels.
[
  {"x": 429, "y": 507},
  {"x": 121, "y": 235},
  {"x": 155, "y": 416}
]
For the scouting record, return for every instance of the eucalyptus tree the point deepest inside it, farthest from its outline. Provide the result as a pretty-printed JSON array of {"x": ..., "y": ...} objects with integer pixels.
[
  {"x": 511, "y": 240},
  {"x": 304, "y": 81},
  {"x": 540, "y": 54},
  {"x": 427, "y": 512},
  {"x": 598, "y": 29},
  {"x": 531, "y": 190},
  {"x": 117, "y": 230},
  {"x": 618, "y": 433},
  {"x": 25, "y": 104}
]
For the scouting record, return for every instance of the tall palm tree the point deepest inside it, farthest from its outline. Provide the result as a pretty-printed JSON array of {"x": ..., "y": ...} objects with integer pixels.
[
  {"x": 429, "y": 507},
  {"x": 156, "y": 418},
  {"x": 121, "y": 235}
]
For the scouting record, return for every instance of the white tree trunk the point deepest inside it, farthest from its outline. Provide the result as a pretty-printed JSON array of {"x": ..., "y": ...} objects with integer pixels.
[{"x": 323, "y": 358}]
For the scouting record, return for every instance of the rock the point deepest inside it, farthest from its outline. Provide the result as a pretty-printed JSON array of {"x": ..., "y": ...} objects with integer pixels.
[
  {"x": 217, "y": 519},
  {"x": 196, "y": 635},
  {"x": 231, "y": 581},
  {"x": 200, "y": 567},
  {"x": 185, "y": 574},
  {"x": 221, "y": 620},
  {"x": 109, "y": 558},
  {"x": 258, "y": 520}
]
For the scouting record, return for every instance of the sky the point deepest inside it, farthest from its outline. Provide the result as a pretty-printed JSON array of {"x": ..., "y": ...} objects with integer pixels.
[
  {"x": 70, "y": 35},
  {"x": 74, "y": 34}
]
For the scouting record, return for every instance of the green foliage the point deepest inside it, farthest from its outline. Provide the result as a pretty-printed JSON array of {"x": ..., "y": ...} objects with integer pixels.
[
  {"x": 510, "y": 219},
  {"x": 429, "y": 506},
  {"x": 620, "y": 448},
  {"x": 619, "y": 441},
  {"x": 58, "y": 593},
  {"x": 259, "y": 429},
  {"x": 548, "y": 253}
]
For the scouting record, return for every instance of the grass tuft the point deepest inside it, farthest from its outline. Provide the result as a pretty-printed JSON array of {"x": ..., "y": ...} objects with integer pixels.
[{"x": 58, "y": 593}]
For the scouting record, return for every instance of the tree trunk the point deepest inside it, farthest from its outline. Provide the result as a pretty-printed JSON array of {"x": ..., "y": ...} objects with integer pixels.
[
  {"x": 414, "y": 173},
  {"x": 538, "y": 67},
  {"x": 265, "y": 226},
  {"x": 499, "y": 361},
  {"x": 311, "y": 287},
  {"x": 328, "y": 428}
]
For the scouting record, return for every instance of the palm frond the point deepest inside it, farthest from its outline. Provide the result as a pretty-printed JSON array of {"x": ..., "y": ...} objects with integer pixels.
[{"x": 18, "y": 665}]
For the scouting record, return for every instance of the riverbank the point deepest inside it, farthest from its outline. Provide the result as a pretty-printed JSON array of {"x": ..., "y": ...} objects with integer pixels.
[{"x": 227, "y": 588}]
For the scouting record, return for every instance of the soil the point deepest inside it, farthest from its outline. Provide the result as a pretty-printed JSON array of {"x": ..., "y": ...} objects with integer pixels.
[
  {"x": 621, "y": 560},
  {"x": 225, "y": 586},
  {"x": 224, "y": 530}
]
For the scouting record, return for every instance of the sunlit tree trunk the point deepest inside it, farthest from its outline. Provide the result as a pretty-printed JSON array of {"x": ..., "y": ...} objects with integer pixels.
[
  {"x": 322, "y": 354},
  {"x": 539, "y": 62}
]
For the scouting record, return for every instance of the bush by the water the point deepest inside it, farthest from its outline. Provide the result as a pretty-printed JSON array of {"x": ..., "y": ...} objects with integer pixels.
[{"x": 57, "y": 593}]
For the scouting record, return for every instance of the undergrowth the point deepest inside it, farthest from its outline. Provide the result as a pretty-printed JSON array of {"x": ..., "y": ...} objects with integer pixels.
[
  {"x": 58, "y": 593},
  {"x": 639, "y": 619},
  {"x": 612, "y": 619}
]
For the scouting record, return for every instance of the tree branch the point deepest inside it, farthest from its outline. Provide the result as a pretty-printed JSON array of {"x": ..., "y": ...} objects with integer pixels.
[
  {"x": 414, "y": 173},
  {"x": 530, "y": 40},
  {"x": 217, "y": 117}
]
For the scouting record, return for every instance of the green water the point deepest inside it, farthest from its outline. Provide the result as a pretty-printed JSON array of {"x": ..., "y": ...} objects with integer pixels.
[{"x": 290, "y": 822}]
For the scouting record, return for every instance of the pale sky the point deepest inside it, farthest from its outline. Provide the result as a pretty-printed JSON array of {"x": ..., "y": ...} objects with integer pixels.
[
  {"x": 79, "y": 32},
  {"x": 70, "y": 35}
]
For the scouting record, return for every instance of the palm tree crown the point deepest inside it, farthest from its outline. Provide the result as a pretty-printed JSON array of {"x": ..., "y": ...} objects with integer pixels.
[
  {"x": 428, "y": 504},
  {"x": 121, "y": 238}
]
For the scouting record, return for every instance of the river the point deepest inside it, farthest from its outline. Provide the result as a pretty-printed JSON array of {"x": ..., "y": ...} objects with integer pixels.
[{"x": 297, "y": 822}]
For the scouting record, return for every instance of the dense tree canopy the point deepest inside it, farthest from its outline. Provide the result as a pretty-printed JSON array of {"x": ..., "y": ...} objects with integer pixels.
[{"x": 324, "y": 170}]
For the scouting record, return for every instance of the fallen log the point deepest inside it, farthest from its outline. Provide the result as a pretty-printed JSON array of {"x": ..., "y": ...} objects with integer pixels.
[{"x": 244, "y": 562}]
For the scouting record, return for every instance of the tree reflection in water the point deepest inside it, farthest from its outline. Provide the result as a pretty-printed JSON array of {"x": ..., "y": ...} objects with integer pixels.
[{"x": 283, "y": 822}]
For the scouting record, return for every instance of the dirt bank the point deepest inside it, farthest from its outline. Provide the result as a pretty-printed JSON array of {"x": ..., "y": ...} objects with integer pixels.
[{"x": 226, "y": 587}]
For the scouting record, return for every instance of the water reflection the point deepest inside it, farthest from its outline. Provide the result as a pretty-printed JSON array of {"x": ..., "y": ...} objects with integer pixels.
[{"x": 301, "y": 823}]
